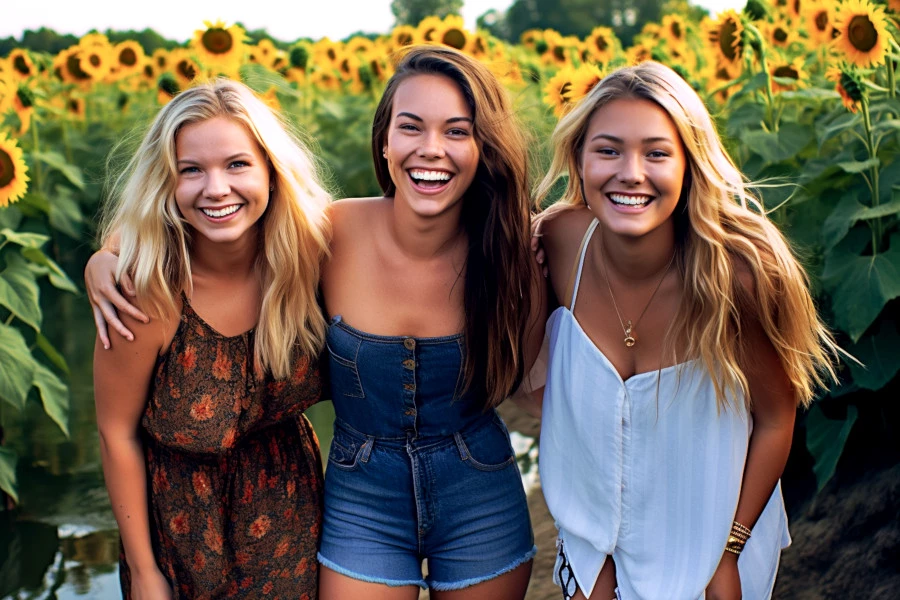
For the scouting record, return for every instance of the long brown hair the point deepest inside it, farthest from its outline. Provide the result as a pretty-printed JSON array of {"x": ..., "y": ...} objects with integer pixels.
[{"x": 495, "y": 215}]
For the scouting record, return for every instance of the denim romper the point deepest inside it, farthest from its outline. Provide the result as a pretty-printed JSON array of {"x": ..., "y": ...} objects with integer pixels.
[{"x": 417, "y": 471}]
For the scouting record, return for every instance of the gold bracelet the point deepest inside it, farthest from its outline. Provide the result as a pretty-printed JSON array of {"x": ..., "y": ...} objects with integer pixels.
[
  {"x": 734, "y": 545},
  {"x": 739, "y": 528}
]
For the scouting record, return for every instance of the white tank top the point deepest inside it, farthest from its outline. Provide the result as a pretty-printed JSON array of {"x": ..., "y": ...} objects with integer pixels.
[{"x": 647, "y": 472}]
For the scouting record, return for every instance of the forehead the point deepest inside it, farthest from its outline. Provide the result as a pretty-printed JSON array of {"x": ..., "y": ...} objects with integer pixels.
[
  {"x": 628, "y": 118},
  {"x": 216, "y": 135},
  {"x": 428, "y": 95}
]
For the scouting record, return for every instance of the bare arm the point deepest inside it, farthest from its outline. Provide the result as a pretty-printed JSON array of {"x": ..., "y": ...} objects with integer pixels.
[
  {"x": 105, "y": 296},
  {"x": 122, "y": 378},
  {"x": 774, "y": 410}
]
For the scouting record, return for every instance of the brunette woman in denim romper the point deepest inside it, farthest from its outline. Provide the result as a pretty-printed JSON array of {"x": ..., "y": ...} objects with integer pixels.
[{"x": 428, "y": 293}]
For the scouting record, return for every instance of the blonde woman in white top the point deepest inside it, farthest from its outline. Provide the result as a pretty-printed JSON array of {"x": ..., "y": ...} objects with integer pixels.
[{"x": 673, "y": 382}]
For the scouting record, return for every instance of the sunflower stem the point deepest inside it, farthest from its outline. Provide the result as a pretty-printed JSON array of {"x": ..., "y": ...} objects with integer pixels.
[
  {"x": 35, "y": 151},
  {"x": 870, "y": 146},
  {"x": 892, "y": 84}
]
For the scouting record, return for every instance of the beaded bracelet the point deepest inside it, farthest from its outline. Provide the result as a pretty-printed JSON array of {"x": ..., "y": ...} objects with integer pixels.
[{"x": 737, "y": 538}]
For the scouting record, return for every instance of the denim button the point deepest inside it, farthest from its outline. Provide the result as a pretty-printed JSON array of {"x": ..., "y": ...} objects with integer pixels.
[
  {"x": 409, "y": 364},
  {"x": 409, "y": 343},
  {"x": 409, "y": 387},
  {"x": 410, "y": 412}
]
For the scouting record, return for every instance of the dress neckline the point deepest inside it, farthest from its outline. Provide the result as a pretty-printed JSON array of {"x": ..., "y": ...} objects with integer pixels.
[
  {"x": 608, "y": 363},
  {"x": 188, "y": 310}
]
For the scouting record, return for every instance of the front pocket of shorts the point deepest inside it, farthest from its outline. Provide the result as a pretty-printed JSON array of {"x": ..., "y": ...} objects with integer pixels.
[
  {"x": 486, "y": 449},
  {"x": 345, "y": 451}
]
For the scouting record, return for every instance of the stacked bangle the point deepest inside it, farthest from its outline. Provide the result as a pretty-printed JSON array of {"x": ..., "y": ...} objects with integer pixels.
[{"x": 737, "y": 538}]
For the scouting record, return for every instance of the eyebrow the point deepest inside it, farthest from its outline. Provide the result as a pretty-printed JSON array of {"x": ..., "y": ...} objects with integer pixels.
[
  {"x": 227, "y": 159},
  {"x": 420, "y": 120},
  {"x": 612, "y": 138}
]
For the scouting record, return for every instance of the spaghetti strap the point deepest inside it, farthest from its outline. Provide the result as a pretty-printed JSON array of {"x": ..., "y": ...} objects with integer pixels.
[{"x": 581, "y": 254}]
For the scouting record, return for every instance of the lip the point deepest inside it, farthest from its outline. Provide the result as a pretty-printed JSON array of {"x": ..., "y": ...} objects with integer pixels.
[
  {"x": 429, "y": 191},
  {"x": 202, "y": 210},
  {"x": 626, "y": 208}
]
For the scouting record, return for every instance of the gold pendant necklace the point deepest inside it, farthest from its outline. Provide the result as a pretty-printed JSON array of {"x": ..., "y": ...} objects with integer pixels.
[{"x": 627, "y": 326}]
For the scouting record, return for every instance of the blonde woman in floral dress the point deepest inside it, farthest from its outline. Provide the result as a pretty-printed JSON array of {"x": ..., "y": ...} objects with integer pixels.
[{"x": 213, "y": 472}]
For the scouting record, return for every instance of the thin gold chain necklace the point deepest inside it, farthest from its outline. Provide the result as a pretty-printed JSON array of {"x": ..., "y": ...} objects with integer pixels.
[{"x": 627, "y": 326}]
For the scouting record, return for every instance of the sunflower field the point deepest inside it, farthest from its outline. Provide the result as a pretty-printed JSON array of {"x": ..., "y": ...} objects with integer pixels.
[{"x": 804, "y": 93}]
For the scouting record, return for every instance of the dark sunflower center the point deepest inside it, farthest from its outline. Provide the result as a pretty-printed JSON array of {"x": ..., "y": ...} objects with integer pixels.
[
  {"x": 676, "y": 30},
  {"x": 862, "y": 33},
  {"x": 21, "y": 65},
  {"x": 25, "y": 96},
  {"x": 404, "y": 39},
  {"x": 7, "y": 169},
  {"x": 128, "y": 57},
  {"x": 186, "y": 69},
  {"x": 559, "y": 53},
  {"x": 601, "y": 43},
  {"x": 217, "y": 40},
  {"x": 95, "y": 60},
  {"x": 73, "y": 65},
  {"x": 780, "y": 35},
  {"x": 728, "y": 39},
  {"x": 821, "y": 20},
  {"x": 74, "y": 106},
  {"x": 454, "y": 38},
  {"x": 787, "y": 71},
  {"x": 565, "y": 90},
  {"x": 167, "y": 84}
]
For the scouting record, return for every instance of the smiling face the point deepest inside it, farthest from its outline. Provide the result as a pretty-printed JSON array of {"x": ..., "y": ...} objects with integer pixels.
[
  {"x": 633, "y": 166},
  {"x": 431, "y": 151},
  {"x": 222, "y": 186}
]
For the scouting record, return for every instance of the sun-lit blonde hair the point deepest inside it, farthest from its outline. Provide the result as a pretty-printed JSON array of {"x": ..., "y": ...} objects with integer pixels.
[
  {"x": 719, "y": 225},
  {"x": 155, "y": 241}
]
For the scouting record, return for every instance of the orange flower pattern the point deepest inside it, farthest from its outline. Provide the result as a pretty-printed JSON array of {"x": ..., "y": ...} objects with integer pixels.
[{"x": 234, "y": 469}]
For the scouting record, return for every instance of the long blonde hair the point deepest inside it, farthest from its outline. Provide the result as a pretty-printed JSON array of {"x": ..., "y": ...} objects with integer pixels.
[
  {"x": 718, "y": 222},
  {"x": 294, "y": 231}
]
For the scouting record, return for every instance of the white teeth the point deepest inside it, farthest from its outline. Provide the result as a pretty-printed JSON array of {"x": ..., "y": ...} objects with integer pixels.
[
  {"x": 222, "y": 212},
  {"x": 430, "y": 175},
  {"x": 629, "y": 200}
]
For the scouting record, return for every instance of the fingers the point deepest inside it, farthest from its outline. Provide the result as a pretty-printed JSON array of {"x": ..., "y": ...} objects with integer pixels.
[
  {"x": 100, "y": 322},
  {"x": 126, "y": 284},
  {"x": 111, "y": 317},
  {"x": 540, "y": 256}
]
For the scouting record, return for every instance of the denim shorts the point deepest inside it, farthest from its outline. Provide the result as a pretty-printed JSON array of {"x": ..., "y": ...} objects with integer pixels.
[{"x": 456, "y": 501}]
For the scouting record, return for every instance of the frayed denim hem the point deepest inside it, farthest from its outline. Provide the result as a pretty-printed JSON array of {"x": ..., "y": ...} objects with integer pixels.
[
  {"x": 367, "y": 578},
  {"x": 444, "y": 586}
]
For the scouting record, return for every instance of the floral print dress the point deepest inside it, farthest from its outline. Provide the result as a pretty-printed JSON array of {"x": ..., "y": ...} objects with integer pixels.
[{"x": 234, "y": 471}]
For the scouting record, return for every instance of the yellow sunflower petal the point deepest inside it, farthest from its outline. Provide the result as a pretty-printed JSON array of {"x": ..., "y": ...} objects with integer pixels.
[
  {"x": 13, "y": 172},
  {"x": 862, "y": 33}
]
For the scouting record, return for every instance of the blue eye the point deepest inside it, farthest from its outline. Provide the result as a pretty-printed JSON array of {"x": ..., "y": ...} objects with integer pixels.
[
  {"x": 187, "y": 170},
  {"x": 239, "y": 163}
]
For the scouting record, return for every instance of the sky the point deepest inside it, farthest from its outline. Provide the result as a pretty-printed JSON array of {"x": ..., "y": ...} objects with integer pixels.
[{"x": 285, "y": 20}]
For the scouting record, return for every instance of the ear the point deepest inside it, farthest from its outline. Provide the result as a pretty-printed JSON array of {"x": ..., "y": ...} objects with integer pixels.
[{"x": 384, "y": 152}]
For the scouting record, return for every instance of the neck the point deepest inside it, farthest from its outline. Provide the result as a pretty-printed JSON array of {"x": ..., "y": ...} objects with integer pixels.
[
  {"x": 226, "y": 260},
  {"x": 424, "y": 238},
  {"x": 637, "y": 259}
]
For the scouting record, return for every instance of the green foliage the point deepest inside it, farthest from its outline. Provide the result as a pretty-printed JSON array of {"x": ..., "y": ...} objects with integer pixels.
[
  {"x": 825, "y": 439},
  {"x": 411, "y": 12},
  {"x": 579, "y": 17}
]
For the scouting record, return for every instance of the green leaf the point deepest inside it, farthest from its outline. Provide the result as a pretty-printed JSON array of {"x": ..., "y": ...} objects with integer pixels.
[
  {"x": 19, "y": 291},
  {"x": 746, "y": 116},
  {"x": 65, "y": 213},
  {"x": 10, "y": 217},
  {"x": 27, "y": 240},
  {"x": 57, "y": 161},
  {"x": 825, "y": 440},
  {"x": 56, "y": 275},
  {"x": 858, "y": 166},
  {"x": 848, "y": 213},
  {"x": 887, "y": 125},
  {"x": 54, "y": 395},
  {"x": 879, "y": 355},
  {"x": 52, "y": 353},
  {"x": 860, "y": 286},
  {"x": 8, "y": 460},
  {"x": 780, "y": 145},
  {"x": 842, "y": 123},
  {"x": 17, "y": 367}
]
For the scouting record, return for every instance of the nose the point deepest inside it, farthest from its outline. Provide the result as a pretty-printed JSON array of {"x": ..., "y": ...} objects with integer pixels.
[
  {"x": 216, "y": 184},
  {"x": 432, "y": 146},
  {"x": 632, "y": 169}
]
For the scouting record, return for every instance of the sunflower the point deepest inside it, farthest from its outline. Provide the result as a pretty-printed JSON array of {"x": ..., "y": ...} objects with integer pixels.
[
  {"x": 359, "y": 45},
  {"x": 166, "y": 88},
  {"x": 183, "y": 67},
  {"x": 96, "y": 60},
  {"x": 601, "y": 45},
  {"x": 326, "y": 52},
  {"x": 13, "y": 172},
  {"x": 21, "y": 64},
  {"x": 23, "y": 104},
  {"x": 426, "y": 29},
  {"x": 67, "y": 65},
  {"x": 403, "y": 35},
  {"x": 556, "y": 92},
  {"x": 862, "y": 33},
  {"x": 325, "y": 79},
  {"x": 674, "y": 31},
  {"x": 789, "y": 8},
  {"x": 128, "y": 58},
  {"x": 726, "y": 35},
  {"x": 7, "y": 92},
  {"x": 819, "y": 22},
  {"x": 583, "y": 81},
  {"x": 219, "y": 46},
  {"x": 452, "y": 32},
  {"x": 160, "y": 59},
  {"x": 789, "y": 74},
  {"x": 638, "y": 53},
  {"x": 847, "y": 84},
  {"x": 76, "y": 108},
  {"x": 264, "y": 53},
  {"x": 93, "y": 39}
]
